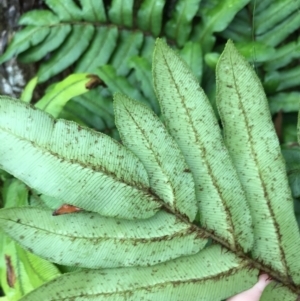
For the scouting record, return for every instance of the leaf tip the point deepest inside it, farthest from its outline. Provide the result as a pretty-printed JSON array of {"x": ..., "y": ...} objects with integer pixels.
[
  {"x": 160, "y": 47},
  {"x": 94, "y": 81}
]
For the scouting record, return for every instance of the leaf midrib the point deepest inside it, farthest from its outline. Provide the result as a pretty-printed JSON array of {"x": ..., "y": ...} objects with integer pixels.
[
  {"x": 159, "y": 163},
  {"x": 88, "y": 166},
  {"x": 202, "y": 150},
  {"x": 253, "y": 155},
  {"x": 166, "y": 283},
  {"x": 167, "y": 237}
]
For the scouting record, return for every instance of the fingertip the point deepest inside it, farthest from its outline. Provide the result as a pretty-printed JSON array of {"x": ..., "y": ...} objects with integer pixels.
[{"x": 255, "y": 292}]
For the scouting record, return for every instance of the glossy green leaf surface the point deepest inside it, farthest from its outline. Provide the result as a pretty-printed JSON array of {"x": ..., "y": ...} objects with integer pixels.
[
  {"x": 292, "y": 159},
  {"x": 120, "y": 12},
  {"x": 62, "y": 153},
  {"x": 179, "y": 26},
  {"x": 284, "y": 55},
  {"x": 27, "y": 93},
  {"x": 192, "y": 54},
  {"x": 14, "y": 193},
  {"x": 130, "y": 44},
  {"x": 68, "y": 53},
  {"x": 260, "y": 6},
  {"x": 285, "y": 79},
  {"x": 53, "y": 40},
  {"x": 253, "y": 145},
  {"x": 30, "y": 36},
  {"x": 277, "y": 12},
  {"x": 216, "y": 17},
  {"x": 93, "y": 10},
  {"x": 101, "y": 107},
  {"x": 26, "y": 271},
  {"x": 149, "y": 16},
  {"x": 98, "y": 54},
  {"x": 256, "y": 51},
  {"x": 145, "y": 135},
  {"x": 39, "y": 18},
  {"x": 118, "y": 83},
  {"x": 74, "y": 85},
  {"x": 187, "y": 278},
  {"x": 285, "y": 102},
  {"x": 142, "y": 69},
  {"x": 278, "y": 33},
  {"x": 66, "y": 10},
  {"x": 93, "y": 241},
  {"x": 240, "y": 29},
  {"x": 191, "y": 121},
  {"x": 148, "y": 48}
]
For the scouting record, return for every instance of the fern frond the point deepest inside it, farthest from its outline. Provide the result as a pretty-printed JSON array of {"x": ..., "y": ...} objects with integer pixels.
[
  {"x": 106, "y": 33},
  {"x": 144, "y": 197}
]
